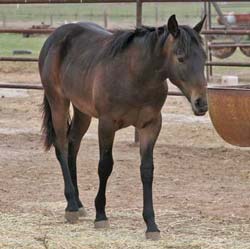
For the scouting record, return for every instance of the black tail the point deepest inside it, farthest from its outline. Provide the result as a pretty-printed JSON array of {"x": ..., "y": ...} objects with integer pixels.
[{"x": 48, "y": 131}]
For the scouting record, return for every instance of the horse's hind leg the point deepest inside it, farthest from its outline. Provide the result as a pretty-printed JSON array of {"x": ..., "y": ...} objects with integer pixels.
[
  {"x": 60, "y": 113},
  {"x": 106, "y": 134},
  {"x": 78, "y": 128}
]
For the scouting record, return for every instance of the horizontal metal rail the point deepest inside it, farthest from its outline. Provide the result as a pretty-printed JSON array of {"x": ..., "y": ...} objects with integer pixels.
[
  {"x": 22, "y": 86},
  {"x": 40, "y": 87},
  {"x": 228, "y": 64},
  {"x": 226, "y": 32},
  {"x": 24, "y": 59},
  {"x": 175, "y": 93},
  {"x": 26, "y": 31},
  {"x": 50, "y": 30},
  {"x": 228, "y": 45},
  {"x": 232, "y": 27},
  {"x": 209, "y": 63},
  {"x": 102, "y": 1}
]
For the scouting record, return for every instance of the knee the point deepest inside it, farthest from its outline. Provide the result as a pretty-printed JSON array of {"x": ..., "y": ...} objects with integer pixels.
[
  {"x": 105, "y": 165},
  {"x": 147, "y": 171},
  {"x": 73, "y": 149}
]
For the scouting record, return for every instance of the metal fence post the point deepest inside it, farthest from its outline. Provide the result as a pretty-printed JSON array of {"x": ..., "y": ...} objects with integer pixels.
[
  {"x": 138, "y": 24},
  {"x": 138, "y": 13},
  {"x": 105, "y": 19}
]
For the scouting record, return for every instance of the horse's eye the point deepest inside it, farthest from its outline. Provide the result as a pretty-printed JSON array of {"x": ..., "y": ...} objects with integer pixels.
[{"x": 181, "y": 59}]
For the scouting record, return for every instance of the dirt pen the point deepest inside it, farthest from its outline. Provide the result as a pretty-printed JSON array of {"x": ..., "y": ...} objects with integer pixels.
[{"x": 201, "y": 184}]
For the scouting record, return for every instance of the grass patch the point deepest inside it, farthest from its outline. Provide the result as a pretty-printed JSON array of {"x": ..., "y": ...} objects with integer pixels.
[
  {"x": 57, "y": 13},
  {"x": 10, "y": 42}
]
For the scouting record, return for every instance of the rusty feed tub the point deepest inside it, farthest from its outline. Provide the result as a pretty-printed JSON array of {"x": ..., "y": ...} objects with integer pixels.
[{"x": 229, "y": 110}]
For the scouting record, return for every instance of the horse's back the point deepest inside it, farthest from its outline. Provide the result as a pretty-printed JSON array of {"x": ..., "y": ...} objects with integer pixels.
[
  {"x": 93, "y": 27},
  {"x": 67, "y": 32},
  {"x": 67, "y": 43}
]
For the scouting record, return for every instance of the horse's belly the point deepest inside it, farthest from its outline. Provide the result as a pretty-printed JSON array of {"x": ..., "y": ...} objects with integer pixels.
[
  {"x": 83, "y": 102},
  {"x": 85, "y": 107}
]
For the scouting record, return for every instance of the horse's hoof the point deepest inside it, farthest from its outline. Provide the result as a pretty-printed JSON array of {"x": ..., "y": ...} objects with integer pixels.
[
  {"x": 72, "y": 217},
  {"x": 82, "y": 212},
  {"x": 102, "y": 224},
  {"x": 153, "y": 235}
]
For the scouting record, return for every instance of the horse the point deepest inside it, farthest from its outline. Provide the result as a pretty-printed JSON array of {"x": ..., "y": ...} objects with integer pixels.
[{"x": 120, "y": 79}]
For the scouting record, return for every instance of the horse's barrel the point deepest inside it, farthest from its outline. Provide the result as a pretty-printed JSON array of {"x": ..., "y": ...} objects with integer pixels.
[{"x": 229, "y": 110}]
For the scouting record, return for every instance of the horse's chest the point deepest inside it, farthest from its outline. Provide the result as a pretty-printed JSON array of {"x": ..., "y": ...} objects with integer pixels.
[
  {"x": 137, "y": 110},
  {"x": 147, "y": 115},
  {"x": 138, "y": 117},
  {"x": 140, "y": 98}
]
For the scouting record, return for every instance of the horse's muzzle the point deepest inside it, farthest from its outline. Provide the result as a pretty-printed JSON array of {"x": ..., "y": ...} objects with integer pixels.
[{"x": 200, "y": 106}]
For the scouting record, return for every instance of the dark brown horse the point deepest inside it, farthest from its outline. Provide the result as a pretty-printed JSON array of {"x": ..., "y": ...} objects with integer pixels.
[{"x": 118, "y": 78}]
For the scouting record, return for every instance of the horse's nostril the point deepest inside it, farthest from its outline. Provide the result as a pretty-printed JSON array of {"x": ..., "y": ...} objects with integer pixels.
[{"x": 200, "y": 104}]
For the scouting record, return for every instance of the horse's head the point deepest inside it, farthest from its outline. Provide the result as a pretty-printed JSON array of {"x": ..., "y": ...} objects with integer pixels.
[{"x": 186, "y": 60}]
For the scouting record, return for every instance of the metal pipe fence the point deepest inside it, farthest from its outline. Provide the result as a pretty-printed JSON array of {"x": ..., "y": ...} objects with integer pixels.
[{"x": 139, "y": 5}]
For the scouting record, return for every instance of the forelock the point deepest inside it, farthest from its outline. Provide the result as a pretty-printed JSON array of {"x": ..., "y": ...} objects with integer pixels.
[{"x": 187, "y": 38}]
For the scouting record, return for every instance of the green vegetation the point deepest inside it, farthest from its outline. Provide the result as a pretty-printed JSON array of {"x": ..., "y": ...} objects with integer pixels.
[
  {"x": 76, "y": 11},
  {"x": 10, "y": 42},
  {"x": 58, "y": 13},
  {"x": 119, "y": 16}
]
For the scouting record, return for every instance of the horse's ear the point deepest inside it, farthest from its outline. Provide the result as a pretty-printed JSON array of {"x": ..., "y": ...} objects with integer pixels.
[
  {"x": 198, "y": 26},
  {"x": 173, "y": 26}
]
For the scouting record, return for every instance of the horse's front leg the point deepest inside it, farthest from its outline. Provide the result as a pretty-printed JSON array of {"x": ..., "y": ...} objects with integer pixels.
[
  {"x": 106, "y": 134},
  {"x": 147, "y": 137}
]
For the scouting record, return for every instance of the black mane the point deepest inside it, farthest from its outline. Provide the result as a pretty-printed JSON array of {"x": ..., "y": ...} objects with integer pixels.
[
  {"x": 151, "y": 37},
  {"x": 122, "y": 39}
]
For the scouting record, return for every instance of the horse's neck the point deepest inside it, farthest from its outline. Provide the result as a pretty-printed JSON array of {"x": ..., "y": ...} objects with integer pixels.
[{"x": 147, "y": 65}]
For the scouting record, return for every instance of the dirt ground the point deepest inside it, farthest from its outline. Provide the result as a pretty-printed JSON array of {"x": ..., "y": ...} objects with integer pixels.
[{"x": 201, "y": 184}]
